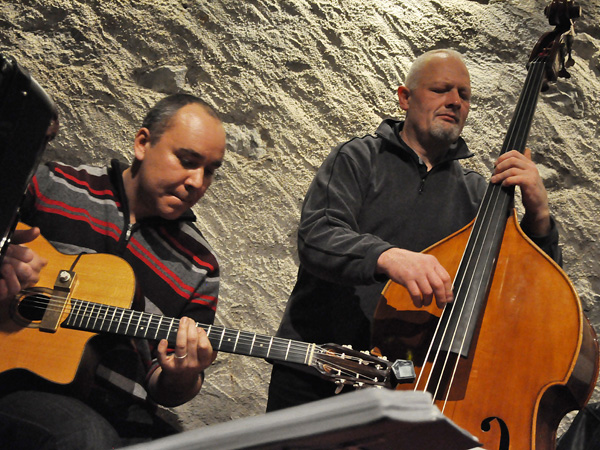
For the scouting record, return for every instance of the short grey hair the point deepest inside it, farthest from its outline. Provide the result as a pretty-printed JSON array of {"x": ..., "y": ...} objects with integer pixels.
[{"x": 412, "y": 78}]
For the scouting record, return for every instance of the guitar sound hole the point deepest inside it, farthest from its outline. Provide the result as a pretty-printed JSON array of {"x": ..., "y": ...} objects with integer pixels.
[{"x": 33, "y": 307}]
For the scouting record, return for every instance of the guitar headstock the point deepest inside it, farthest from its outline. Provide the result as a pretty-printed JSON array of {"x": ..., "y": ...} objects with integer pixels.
[
  {"x": 554, "y": 47},
  {"x": 346, "y": 366}
]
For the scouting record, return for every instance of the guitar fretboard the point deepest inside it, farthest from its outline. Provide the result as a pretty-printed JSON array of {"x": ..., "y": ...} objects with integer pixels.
[{"x": 102, "y": 318}]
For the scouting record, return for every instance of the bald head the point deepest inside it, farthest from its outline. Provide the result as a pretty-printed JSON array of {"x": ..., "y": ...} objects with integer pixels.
[
  {"x": 420, "y": 64},
  {"x": 436, "y": 99}
]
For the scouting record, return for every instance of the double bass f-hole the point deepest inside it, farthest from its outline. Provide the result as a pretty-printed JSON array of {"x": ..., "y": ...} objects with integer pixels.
[{"x": 513, "y": 353}]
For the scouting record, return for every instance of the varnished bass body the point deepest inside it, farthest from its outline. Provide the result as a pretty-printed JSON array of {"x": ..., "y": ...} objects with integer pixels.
[{"x": 534, "y": 356}]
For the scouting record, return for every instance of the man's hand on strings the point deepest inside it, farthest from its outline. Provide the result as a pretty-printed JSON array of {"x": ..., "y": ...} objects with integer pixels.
[
  {"x": 516, "y": 169},
  {"x": 421, "y": 274},
  {"x": 179, "y": 377},
  {"x": 21, "y": 266}
]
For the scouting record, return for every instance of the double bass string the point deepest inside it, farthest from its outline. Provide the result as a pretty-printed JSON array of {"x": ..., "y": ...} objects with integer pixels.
[{"x": 496, "y": 201}]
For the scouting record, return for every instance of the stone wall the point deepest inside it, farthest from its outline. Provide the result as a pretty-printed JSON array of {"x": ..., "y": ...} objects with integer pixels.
[{"x": 291, "y": 79}]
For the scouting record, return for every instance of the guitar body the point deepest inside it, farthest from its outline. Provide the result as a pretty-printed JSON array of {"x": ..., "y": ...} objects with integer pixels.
[
  {"x": 533, "y": 359},
  {"x": 56, "y": 356}
]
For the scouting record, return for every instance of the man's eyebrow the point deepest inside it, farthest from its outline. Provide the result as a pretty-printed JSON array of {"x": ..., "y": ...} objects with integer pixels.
[
  {"x": 190, "y": 152},
  {"x": 194, "y": 154}
]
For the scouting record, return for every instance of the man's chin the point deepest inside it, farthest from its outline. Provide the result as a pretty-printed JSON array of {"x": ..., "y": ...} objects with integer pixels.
[
  {"x": 448, "y": 134},
  {"x": 172, "y": 212}
]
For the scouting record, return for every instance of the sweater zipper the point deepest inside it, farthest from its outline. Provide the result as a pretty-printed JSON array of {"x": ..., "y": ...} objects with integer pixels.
[
  {"x": 126, "y": 236},
  {"x": 128, "y": 231}
]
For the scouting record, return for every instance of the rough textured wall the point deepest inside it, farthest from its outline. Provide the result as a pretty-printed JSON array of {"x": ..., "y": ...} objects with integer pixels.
[{"x": 292, "y": 78}]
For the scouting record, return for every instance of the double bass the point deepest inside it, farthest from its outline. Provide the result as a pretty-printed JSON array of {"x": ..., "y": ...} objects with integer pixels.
[{"x": 513, "y": 353}]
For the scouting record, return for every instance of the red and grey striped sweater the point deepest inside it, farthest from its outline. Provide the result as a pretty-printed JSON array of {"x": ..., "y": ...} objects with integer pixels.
[{"x": 84, "y": 209}]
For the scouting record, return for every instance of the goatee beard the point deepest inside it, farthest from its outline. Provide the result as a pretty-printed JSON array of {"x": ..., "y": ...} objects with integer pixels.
[{"x": 445, "y": 134}]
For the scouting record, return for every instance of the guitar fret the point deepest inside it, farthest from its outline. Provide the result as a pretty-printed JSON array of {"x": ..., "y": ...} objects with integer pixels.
[
  {"x": 83, "y": 315},
  {"x": 158, "y": 327},
  {"x": 90, "y": 315},
  {"x": 76, "y": 315},
  {"x": 171, "y": 330},
  {"x": 122, "y": 322},
  {"x": 227, "y": 344},
  {"x": 287, "y": 350},
  {"x": 221, "y": 340},
  {"x": 148, "y": 324},
  {"x": 143, "y": 328},
  {"x": 128, "y": 321},
  {"x": 118, "y": 319},
  {"x": 112, "y": 319},
  {"x": 137, "y": 327},
  {"x": 103, "y": 321},
  {"x": 100, "y": 307},
  {"x": 309, "y": 352},
  {"x": 76, "y": 305},
  {"x": 237, "y": 339},
  {"x": 148, "y": 328},
  {"x": 252, "y": 344},
  {"x": 242, "y": 343},
  {"x": 140, "y": 329}
]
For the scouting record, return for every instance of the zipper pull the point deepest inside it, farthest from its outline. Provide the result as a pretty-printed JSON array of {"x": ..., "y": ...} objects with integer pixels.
[{"x": 128, "y": 232}]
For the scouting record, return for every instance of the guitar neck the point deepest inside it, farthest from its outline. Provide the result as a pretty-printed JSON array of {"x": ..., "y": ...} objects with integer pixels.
[{"x": 100, "y": 318}]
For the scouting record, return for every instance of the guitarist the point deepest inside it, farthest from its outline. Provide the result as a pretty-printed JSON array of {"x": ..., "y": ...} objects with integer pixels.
[
  {"x": 142, "y": 214},
  {"x": 377, "y": 202}
]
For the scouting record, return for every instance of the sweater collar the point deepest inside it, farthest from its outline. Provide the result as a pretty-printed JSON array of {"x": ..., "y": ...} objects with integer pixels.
[{"x": 389, "y": 130}]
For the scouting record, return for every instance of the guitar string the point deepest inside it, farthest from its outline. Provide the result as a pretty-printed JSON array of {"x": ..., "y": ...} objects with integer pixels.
[
  {"x": 159, "y": 326},
  {"x": 529, "y": 102},
  {"x": 229, "y": 332},
  {"x": 284, "y": 343}
]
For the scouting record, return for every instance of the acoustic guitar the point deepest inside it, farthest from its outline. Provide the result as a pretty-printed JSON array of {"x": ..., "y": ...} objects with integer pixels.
[{"x": 46, "y": 327}]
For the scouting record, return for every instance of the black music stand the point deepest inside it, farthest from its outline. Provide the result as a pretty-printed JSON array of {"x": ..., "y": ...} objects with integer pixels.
[
  {"x": 28, "y": 120},
  {"x": 370, "y": 419}
]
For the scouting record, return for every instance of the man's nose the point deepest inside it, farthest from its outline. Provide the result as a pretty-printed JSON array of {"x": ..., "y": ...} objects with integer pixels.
[
  {"x": 196, "y": 178},
  {"x": 453, "y": 99}
]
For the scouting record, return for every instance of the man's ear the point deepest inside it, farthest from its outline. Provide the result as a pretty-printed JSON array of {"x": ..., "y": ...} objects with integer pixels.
[
  {"x": 403, "y": 95},
  {"x": 141, "y": 143}
]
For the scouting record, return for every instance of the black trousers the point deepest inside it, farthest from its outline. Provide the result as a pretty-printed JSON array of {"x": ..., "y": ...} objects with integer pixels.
[
  {"x": 584, "y": 432},
  {"x": 293, "y": 387}
]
